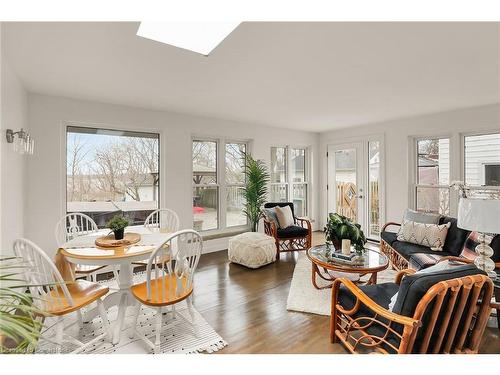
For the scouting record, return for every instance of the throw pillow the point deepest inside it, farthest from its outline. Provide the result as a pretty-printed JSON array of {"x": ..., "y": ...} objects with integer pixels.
[
  {"x": 271, "y": 216},
  {"x": 469, "y": 249},
  {"x": 429, "y": 235},
  {"x": 421, "y": 217},
  {"x": 285, "y": 216}
]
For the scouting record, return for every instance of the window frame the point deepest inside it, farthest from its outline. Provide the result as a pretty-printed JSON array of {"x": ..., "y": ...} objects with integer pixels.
[
  {"x": 415, "y": 170},
  {"x": 65, "y": 125},
  {"x": 463, "y": 164},
  {"x": 221, "y": 182},
  {"x": 288, "y": 183}
]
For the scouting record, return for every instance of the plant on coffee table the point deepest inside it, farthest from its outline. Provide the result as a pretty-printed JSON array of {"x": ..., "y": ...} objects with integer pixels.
[{"x": 339, "y": 228}]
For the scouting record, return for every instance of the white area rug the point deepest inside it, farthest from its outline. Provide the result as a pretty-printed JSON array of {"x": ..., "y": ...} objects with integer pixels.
[
  {"x": 304, "y": 297},
  {"x": 177, "y": 336}
]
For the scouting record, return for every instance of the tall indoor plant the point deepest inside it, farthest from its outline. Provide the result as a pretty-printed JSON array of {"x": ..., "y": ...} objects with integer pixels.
[
  {"x": 340, "y": 228},
  {"x": 255, "y": 191}
]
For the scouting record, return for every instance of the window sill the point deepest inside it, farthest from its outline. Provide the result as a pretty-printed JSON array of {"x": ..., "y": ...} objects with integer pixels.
[{"x": 217, "y": 235}]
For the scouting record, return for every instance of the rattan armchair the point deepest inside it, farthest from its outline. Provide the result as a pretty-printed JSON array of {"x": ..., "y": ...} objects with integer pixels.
[
  {"x": 295, "y": 238},
  {"x": 440, "y": 312}
]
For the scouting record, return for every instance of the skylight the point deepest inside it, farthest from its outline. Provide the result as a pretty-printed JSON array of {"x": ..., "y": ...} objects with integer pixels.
[{"x": 200, "y": 37}]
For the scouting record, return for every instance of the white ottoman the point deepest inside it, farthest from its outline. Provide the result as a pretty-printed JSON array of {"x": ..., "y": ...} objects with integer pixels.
[{"x": 252, "y": 249}]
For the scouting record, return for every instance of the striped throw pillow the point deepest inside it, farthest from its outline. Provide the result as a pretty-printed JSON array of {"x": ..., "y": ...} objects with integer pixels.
[
  {"x": 469, "y": 249},
  {"x": 430, "y": 235}
]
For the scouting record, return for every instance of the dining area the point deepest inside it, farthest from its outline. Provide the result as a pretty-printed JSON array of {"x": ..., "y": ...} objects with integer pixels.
[{"x": 104, "y": 291}]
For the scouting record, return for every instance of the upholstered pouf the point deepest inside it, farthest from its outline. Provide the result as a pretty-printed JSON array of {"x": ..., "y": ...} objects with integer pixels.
[{"x": 252, "y": 250}]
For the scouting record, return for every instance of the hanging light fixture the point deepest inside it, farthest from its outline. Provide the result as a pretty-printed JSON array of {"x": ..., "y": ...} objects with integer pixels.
[{"x": 21, "y": 141}]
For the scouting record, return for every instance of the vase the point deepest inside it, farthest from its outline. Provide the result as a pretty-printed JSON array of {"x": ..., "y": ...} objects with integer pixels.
[{"x": 119, "y": 234}]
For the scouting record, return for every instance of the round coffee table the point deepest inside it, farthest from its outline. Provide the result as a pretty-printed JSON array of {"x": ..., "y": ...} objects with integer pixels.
[{"x": 371, "y": 262}]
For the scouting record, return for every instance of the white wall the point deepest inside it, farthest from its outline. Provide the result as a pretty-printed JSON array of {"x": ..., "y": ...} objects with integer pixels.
[
  {"x": 398, "y": 135},
  {"x": 13, "y": 116},
  {"x": 44, "y": 197}
]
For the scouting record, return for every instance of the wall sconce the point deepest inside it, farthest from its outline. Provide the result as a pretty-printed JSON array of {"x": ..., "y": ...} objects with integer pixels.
[{"x": 23, "y": 143}]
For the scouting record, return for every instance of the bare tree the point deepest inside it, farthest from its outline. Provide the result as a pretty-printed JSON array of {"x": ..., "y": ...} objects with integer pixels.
[{"x": 77, "y": 152}]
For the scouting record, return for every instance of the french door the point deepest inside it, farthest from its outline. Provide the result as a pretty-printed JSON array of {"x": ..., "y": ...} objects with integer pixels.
[{"x": 354, "y": 183}]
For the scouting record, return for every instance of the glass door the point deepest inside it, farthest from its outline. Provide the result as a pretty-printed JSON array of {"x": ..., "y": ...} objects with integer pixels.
[
  {"x": 346, "y": 185},
  {"x": 354, "y": 184}
]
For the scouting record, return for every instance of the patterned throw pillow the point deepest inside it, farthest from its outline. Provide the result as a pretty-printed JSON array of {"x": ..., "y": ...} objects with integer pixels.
[
  {"x": 429, "y": 235},
  {"x": 469, "y": 249}
]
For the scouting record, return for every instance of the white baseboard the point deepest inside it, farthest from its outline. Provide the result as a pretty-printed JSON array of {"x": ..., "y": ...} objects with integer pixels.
[{"x": 218, "y": 244}]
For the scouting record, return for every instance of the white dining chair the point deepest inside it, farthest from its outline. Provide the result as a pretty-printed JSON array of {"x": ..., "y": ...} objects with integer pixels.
[
  {"x": 74, "y": 225},
  {"x": 164, "y": 220},
  {"x": 57, "y": 298},
  {"x": 163, "y": 288}
]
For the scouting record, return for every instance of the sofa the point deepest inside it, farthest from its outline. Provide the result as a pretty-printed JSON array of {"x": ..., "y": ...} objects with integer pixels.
[{"x": 405, "y": 255}]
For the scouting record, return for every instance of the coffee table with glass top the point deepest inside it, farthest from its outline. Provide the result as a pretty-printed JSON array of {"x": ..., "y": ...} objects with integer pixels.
[{"x": 369, "y": 263}]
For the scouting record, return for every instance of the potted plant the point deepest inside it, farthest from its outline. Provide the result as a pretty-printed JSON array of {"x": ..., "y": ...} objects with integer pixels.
[
  {"x": 20, "y": 323},
  {"x": 117, "y": 225},
  {"x": 255, "y": 190},
  {"x": 339, "y": 228}
]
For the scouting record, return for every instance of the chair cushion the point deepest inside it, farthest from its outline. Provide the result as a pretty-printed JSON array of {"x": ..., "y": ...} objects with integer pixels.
[
  {"x": 389, "y": 237},
  {"x": 380, "y": 293},
  {"x": 407, "y": 249},
  {"x": 495, "y": 245},
  {"x": 455, "y": 238},
  {"x": 292, "y": 232},
  {"x": 414, "y": 287}
]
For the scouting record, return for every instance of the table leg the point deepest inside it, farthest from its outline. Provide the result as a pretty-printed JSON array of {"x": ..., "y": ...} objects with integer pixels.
[
  {"x": 122, "y": 308},
  {"x": 314, "y": 273}
]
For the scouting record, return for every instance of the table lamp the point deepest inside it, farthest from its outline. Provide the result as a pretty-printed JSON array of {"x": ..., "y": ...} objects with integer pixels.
[{"x": 483, "y": 216}]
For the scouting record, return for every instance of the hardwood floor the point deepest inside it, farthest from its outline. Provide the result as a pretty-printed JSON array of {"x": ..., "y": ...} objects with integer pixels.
[{"x": 248, "y": 309}]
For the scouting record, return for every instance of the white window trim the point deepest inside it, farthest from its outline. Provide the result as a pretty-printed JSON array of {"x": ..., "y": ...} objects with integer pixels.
[
  {"x": 414, "y": 185},
  {"x": 221, "y": 182},
  {"x": 462, "y": 157},
  {"x": 288, "y": 179},
  {"x": 64, "y": 125}
]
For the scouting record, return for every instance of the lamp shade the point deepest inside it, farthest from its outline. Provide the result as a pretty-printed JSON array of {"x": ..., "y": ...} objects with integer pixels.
[{"x": 479, "y": 215}]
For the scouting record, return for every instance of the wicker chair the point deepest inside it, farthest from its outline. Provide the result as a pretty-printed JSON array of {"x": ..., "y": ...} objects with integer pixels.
[
  {"x": 294, "y": 238},
  {"x": 438, "y": 312}
]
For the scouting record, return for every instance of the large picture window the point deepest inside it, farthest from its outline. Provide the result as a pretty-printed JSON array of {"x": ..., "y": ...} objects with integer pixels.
[
  {"x": 289, "y": 177},
  {"x": 482, "y": 160},
  {"x": 433, "y": 175},
  {"x": 218, "y": 182},
  {"x": 110, "y": 172}
]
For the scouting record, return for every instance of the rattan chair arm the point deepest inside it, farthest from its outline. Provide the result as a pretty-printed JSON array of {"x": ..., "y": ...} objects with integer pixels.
[
  {"x": 303, "y": 220},
  {"x": 370, "y": 304},
  {"x": 389, "y": 224}
]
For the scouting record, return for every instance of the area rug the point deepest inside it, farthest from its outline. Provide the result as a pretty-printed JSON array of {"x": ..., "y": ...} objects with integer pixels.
[
  {"x": 304, "y": 297},
  {"x": 177, "y": 336}
]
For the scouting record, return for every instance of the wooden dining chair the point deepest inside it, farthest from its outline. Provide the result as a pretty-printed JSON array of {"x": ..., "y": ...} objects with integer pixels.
[
  {"x": 164, "y": 220},
  {"x": 74, "y": 225},
  {"x": 56, "y": 297},
  {"x": 163, "y": 288}
]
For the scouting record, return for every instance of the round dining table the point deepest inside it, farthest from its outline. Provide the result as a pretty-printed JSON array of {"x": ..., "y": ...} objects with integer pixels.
[{"x": 83, "y": 251}]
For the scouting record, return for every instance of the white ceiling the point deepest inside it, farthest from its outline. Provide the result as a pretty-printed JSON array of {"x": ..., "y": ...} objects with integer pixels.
[{"x": 309, "y": 76}]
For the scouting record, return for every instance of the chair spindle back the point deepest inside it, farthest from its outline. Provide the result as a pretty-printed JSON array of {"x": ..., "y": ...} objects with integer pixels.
[
  {"x": 188, "y": 245},
  {"x": 73, "y": 225},
  {"x": 163, "y": 218},
  {"x": 46, "y": 285}
]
